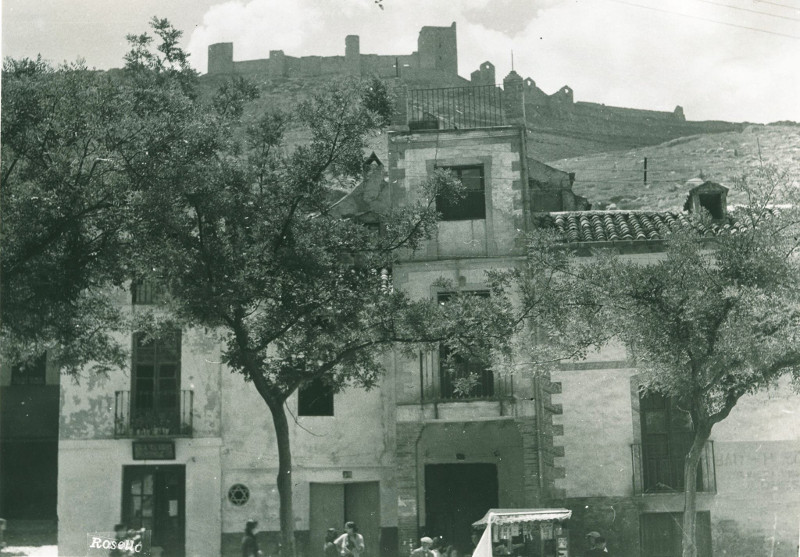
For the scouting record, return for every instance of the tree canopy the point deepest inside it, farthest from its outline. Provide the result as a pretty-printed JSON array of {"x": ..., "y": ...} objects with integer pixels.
[
  {"x": 706, "y": 322},
  {"x": 83, "y": 154}
]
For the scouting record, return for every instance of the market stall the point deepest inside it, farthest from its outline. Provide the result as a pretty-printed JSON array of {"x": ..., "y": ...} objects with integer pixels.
[{"x": 523, "y": 533}]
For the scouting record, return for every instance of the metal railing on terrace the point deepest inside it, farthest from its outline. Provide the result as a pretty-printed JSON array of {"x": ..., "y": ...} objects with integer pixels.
[
  {"x": 455, "y": 108},
  {"x": 657, "y": 472},
  {"x": 163, "y": 414},
  {"x": 463, "y": 384}
]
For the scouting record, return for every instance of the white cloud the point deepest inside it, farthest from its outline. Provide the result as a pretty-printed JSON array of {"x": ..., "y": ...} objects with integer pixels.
[
  {"x": 255, "y": 28},
  {"x": 655, "y": 57}
]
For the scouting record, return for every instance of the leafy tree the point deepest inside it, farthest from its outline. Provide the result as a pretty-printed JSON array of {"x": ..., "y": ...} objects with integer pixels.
[
  {"x": 135, "y": 174},
  {"x": 63, "y": 203},
  {"x": 83, "y": 153},
  {"x": 247, "y": 241},
  {"x": 711, "y": 320}
]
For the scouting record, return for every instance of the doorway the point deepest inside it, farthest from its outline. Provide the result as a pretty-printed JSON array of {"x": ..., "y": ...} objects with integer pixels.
[
  {"x": 154, "y": 498},
  {"x": 456, "y": 495},
  {"x": 334, "y": 503}
]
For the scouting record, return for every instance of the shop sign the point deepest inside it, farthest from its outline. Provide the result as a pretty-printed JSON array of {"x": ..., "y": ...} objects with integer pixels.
[{"x": 153, "y": 450}]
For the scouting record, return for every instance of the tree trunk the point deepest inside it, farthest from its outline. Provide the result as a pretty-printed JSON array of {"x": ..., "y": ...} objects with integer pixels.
[
  {"x": 284, "y": 479},
  {"x": 689, "y": 541}
]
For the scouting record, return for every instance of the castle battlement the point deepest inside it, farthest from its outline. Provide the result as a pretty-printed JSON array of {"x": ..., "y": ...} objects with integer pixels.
[
  {"x": 436, "y": 56},
  {"x": 563, "y": 126}
]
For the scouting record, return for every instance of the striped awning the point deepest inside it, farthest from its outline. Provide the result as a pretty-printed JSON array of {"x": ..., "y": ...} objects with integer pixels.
[{"x": 518, "y": 516}]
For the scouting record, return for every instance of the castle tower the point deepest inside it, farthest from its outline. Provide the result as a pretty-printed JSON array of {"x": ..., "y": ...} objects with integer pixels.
[
  {"x": 514, "y": 98},
  {"x": 277, "y": 64},
  {"x": 437, "y": 47},
  {"x": 352, "y": 54},
  {"x": 220, "y": 58},
  {"x": 483, "y": 75}
]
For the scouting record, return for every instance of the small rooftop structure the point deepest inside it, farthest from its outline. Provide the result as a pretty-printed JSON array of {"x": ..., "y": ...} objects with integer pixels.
[{"x": 707, "y": 195}]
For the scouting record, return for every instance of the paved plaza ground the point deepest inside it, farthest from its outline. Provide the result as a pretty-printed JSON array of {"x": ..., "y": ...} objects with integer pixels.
[{"x": 20, "y": 551}]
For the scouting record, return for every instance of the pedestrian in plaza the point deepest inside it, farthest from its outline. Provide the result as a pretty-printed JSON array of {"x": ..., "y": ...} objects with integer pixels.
[
  {"x": 424, "y": 549},
  {"x": 598, "y": 546},
  {"x": 351, "y": 543},
  {"x": 437, "y": 546},
  {"x": 120, "y": 536},
  {"x": 249, "y": 541},
  {"x": 329, "y": 548}
]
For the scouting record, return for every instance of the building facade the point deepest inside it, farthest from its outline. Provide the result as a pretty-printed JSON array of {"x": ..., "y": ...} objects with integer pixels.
[{"x": 181, "y": 446}]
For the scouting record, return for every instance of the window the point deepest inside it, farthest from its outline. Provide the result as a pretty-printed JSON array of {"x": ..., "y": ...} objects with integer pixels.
[
  {"x": 462, "y": 377},
  {"x": 661, "y": 534},
  {"x": 473, "y": 205},
  {"x": 146, "y": 292},
  {"x": 315, "y": 399},
  {"x": 155, "y": 396},
  {"x": 666, "y": 439},
  {"x": 32, "y": 372}
]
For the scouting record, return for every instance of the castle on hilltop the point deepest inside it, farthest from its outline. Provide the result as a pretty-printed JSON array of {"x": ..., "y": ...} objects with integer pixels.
[
  {"x": 564, "y": 127},
  {"x": 435, "y": 62},
  {"x": 436, "y": 56}
]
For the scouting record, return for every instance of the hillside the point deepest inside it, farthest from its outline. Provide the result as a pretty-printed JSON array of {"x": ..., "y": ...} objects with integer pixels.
[
  {"x": 608, "y": 171},
  {"x": 617, "y": 177}
]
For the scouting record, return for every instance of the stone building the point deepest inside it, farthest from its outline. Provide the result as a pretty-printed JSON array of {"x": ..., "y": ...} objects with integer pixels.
[
  {"x": 621, "y": 454},
  {"x": 185, "y": 448}
]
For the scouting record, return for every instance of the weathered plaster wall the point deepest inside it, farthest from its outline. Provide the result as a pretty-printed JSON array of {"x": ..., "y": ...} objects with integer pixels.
[
  {"x": 90, "y": 491},
  {"x": 598, "y": 431},
  {"x": 87, "y": 402},
  {"x": 756, "y": 508},
  {"x": 359, "y": 438}
]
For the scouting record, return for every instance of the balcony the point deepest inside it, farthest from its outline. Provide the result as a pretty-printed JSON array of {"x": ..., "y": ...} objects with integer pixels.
[
  {"x": 657, "y": 471},
  {"x": 464, "y": 384},
  {"x": 167, "y": 414}
]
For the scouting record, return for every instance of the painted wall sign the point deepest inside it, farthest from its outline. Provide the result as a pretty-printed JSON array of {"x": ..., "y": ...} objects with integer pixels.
[{"x": 153, "y": 450}]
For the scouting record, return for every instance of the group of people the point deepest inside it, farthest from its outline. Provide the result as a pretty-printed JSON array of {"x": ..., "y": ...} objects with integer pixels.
[
  {"x": 351, "y": 544},
  {"x": 430, "y": 547},
  {"x": 348, "y": 544}
]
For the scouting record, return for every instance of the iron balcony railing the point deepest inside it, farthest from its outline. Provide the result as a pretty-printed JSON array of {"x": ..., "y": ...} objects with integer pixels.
[
  {"x": 657, "y": 471},
  {"x": 455, "y": 108},
  {"x": 465, "y": 383},
  {"x": 148, "y": 414}
]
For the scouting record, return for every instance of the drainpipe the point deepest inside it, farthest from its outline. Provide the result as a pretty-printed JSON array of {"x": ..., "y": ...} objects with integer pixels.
[
  {"x": 421, "y": 385},
  {"x": 539, "y": 405}
]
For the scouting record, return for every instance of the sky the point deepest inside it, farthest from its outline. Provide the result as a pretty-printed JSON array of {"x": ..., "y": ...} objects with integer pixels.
[{"x": 733, "y": 60}]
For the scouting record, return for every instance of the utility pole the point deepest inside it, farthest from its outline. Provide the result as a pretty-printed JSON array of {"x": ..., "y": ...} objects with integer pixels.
[{"x": 645, "y": 171}]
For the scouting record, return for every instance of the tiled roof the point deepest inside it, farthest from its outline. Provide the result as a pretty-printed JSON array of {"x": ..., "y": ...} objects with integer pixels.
[{"x": 619, "y": 226}]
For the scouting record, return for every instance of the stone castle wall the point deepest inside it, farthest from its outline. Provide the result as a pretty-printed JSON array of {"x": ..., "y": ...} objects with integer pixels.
[
  {"x": 436, "y": 54},
  {"x": 564, "y": 127}
]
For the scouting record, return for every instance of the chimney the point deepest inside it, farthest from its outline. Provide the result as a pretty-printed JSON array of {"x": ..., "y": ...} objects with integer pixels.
[{"x": 707, "y": 195}]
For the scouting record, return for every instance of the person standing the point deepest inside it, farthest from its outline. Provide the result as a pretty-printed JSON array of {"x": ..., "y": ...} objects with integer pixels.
[
  {"x": 599, "y": 549},
  {"x": 329, "y": 548},
  {"x": 249, "y": 541},
  {"x": 351, "y": 543},
  {"x": 424, "y": 550},
  {"x": 120, "y": 536}
]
